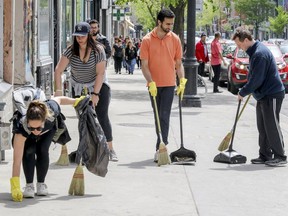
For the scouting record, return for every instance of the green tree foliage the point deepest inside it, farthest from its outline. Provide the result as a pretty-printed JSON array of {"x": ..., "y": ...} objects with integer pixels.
[
  {"x": 254, "y": 12},
  {"x": 278, "y": 23}
]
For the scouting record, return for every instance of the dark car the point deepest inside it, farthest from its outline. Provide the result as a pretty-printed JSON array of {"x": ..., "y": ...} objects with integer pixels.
[{"x": 238, "y": 71}]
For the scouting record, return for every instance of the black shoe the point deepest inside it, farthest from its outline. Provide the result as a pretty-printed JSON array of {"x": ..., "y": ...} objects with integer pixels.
[
  {"x": 217, "y": 91},
  {"x": 258, "y": 160},
  {"x": 276, "y": 162}
]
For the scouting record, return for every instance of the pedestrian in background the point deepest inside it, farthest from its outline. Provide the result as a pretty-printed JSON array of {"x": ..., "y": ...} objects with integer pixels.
[
  {"x": 201, "y": 53},
  {"x": 96, "y": 35},
  {"x": 161, "y": 54},
  {"x": 118, "y": 55},
  {"x": 267, "y": 88},
  {"x": 216, "y": 60},
  {"x": 32, "y": 137},
  {"x": 87, "y": 59},
  {"x": 130, "y": 57}
]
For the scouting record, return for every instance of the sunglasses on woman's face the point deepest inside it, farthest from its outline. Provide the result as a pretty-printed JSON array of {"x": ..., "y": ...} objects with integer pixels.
[{"x": 33, "y": 128}]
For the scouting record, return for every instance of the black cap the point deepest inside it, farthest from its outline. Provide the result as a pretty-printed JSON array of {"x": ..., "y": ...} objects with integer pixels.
[
  {"x": 203, "y": 34},
  {"x": 81, "y": 29}
]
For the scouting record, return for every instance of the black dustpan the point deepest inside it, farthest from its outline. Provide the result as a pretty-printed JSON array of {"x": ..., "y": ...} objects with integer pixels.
[
  {"x": 182, "y": 155},
  {"x": 231, "y": 156}
]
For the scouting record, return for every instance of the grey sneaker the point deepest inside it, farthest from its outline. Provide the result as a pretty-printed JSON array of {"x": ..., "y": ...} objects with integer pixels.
[
  {"x": 276, "y": 162},
  {"x": 29, "y": 191},
  {"x": 42, "y": 189},
  {"x": 113, "y": 156}
]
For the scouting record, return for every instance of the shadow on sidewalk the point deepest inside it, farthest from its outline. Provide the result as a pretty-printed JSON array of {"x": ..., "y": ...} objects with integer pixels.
[
  {"x": 244, "y": 168},
  {"x": 9, "y": 203},
  {"x": 140, "y": 164}
]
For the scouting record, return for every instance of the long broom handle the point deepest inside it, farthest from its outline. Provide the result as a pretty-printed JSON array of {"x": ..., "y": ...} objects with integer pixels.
[
  {"x": 234, "y": 127},
  {"x": 181, "y": 124},
  {"x": 157, "y": 118},
  {"x": 243, "y": 107}
]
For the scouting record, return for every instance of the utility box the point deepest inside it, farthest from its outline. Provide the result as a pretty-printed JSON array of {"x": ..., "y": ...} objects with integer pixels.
[{"x": 5, "y": 134}]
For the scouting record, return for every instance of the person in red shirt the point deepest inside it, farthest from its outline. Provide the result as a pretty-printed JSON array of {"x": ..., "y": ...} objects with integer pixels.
[
  {"x": 201, "y": 53},
  {"x": 216, "y": 59}
]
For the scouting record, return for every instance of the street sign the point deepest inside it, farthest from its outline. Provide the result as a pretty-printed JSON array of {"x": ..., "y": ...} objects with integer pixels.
[{"x": 118, "y": 14}]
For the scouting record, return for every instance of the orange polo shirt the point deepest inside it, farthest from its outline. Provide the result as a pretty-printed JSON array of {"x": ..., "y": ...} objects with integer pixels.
[{"x": 161, "y": 55}]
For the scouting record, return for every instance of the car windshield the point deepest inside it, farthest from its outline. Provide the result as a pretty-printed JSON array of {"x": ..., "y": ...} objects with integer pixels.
[
  {"x": 242, "y": 54},
  {"x": 228, "y": 50},
  {"x": 284, "y": 49},
  {"x": 275, "y": 51}
]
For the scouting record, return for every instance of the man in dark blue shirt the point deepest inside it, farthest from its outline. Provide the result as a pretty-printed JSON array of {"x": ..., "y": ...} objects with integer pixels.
[{"x": 267, "y": 88}]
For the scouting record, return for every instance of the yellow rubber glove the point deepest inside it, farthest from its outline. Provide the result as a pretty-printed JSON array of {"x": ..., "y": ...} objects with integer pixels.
[
  {"x": 153, "y": 89},
  {"x": 78, "y": 100},
  {"x": 181, "y": 87},
  {"x": 16, "y": 193}
]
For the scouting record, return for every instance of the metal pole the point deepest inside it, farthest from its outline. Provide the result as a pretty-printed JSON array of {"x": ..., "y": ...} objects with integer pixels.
[{"x": 191, "y": 99}]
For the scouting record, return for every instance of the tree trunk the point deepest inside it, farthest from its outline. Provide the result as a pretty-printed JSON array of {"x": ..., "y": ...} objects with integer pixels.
[{"x": 179, "y": 19}]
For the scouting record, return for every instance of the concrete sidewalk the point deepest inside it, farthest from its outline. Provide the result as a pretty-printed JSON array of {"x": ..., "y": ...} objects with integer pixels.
[{"x": 137, "y": 186}]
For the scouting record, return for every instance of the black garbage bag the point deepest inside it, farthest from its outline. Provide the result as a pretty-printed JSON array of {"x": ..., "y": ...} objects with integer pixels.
[{"x": 92, "y": 148}]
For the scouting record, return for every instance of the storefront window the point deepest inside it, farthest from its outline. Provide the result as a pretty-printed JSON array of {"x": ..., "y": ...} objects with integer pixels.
[
  {"x": 44, "y": 27},
  {"x": 80, "y": 11},
  {"x": 67, "y": 23}
]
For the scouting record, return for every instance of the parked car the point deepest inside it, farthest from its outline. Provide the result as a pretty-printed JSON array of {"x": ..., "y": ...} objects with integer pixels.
[{"x": 238, "y": 70}]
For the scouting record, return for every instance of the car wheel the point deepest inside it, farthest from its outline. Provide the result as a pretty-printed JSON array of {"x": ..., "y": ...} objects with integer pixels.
[{"x": 233, "y": 89}]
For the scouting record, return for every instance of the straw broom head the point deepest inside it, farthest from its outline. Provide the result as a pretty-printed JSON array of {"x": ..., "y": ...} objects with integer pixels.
[
  {"x": 163, "y": 157},
  {"x": 63, "y": 159},
  {"x": 225, "y": 142},
  {"x": 77, "y": 184}
]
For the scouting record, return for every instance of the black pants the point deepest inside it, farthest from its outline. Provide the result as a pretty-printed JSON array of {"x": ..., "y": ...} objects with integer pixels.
[
  {"x": 216, "y": 70},
  {"x": 36, "y": 154},
  {"x": 102, "y": 110},
  {"x": 164, "y": 101},
  {"x": 118, "y": 64},
  {"x": 270, "y": 135},
  {"x": 201, "y": 68}
]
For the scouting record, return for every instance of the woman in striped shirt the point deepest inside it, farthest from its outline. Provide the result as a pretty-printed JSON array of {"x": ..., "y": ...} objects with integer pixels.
[{"x": 87, "y": 59}]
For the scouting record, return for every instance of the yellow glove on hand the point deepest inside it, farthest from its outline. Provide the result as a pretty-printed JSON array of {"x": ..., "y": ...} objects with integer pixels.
[
  {"x": 181, "y": 87},
  {"x": 16, "y": 193},
  {"x": 78, "y": 100},
  {"x": 152, "y": 89}
]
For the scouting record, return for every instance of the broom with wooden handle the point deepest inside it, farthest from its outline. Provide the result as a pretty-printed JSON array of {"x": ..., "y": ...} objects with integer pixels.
[
  {"x": 163, "y": 156},
  {"x": 226, "y": 141},
  {"x": 63, "y": 159}
]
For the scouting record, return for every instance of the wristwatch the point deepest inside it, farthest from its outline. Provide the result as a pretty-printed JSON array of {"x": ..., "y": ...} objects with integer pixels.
[{"x": 95, "y": 93}]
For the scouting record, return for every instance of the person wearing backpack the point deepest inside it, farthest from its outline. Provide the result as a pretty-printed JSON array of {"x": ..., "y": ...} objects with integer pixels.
[{"x": 32, "y": 137}]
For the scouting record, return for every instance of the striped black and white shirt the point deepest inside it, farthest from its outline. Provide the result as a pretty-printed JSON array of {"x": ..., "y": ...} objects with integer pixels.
[{"x": 84, "y": 72}]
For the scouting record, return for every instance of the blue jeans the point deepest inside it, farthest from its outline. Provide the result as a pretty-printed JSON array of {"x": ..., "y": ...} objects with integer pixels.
[
  {"x": 164, "y": 101},
  {"x": 131, "y": 65}
]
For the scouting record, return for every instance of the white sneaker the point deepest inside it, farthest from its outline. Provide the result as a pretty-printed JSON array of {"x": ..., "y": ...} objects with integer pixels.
[
  {"x": 156, "y": 156},
  {"x": 113, "y": 156},
  {"x": 29, "y": 191},
  {"x": 41, "y": 189}
]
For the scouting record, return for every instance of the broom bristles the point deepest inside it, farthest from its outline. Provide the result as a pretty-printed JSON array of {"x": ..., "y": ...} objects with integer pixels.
[
  {"x": 163, "y": 157},
  {"x": 63, "y": 159},
  {"x": 77, "y": 187},
  {"x": 225, "y": 142}
]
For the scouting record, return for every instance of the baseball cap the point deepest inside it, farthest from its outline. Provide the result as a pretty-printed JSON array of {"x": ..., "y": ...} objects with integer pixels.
[
  {"x": 81, "y": 29},
  {"x": 203, "y": 34}
]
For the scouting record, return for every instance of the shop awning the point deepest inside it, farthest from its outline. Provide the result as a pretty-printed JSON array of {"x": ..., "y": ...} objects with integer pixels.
[
  {"x": 130, "y": 24},
  {"x": 131, "y": 29}
]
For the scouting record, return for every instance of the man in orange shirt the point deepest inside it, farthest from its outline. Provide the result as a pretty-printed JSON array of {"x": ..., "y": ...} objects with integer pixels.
[{"x": 161, "y": 54}]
